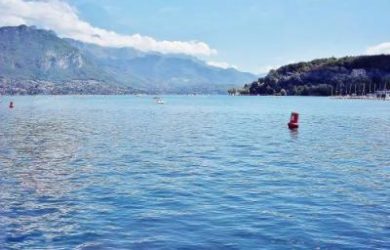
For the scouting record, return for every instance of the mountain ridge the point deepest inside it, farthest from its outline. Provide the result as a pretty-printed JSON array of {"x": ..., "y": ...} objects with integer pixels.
[{"x": 31, "y": 55}]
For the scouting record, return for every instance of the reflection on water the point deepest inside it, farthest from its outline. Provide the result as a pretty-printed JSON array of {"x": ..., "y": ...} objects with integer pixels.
[
  {"x": 39, "y": 153},
  {"x": 199, "y": 172},
  {"x": 294, "y": 134}
]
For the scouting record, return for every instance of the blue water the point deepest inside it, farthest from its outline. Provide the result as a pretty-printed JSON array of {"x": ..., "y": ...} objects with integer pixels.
[{"x": 200, "y": 172}]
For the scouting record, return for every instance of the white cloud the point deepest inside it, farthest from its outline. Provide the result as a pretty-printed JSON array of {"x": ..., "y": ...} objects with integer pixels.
[
  {"x": 222, "y": 65},
  {"x": 383, "y": 48},
  {"x": 64, "y": 20}
]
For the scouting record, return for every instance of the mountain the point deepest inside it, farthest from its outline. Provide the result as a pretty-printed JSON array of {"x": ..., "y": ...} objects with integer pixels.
[
  {"x": 331, "y": 76},
  {"x": 155, "y": 72},
  {"x": 36, "y": 61}
]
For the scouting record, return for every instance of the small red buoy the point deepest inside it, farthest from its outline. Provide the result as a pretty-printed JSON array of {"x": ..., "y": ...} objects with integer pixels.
[
  {"x": 11, "y": 105},
  {"x": 294, "y": 119}
]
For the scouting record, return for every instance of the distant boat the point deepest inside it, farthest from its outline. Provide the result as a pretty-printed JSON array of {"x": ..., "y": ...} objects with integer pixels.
[{"x": 158, "y": 100}]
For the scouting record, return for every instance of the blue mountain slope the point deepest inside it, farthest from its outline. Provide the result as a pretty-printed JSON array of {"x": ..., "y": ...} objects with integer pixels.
[{"x": 163, "y": 73}]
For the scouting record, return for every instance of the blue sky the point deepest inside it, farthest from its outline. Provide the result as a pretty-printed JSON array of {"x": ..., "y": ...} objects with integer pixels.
[{"x": 253, "y": 35}]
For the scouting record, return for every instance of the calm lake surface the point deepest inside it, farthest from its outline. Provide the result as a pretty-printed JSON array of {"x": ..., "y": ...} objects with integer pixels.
[{"x": 200, "y": 172}]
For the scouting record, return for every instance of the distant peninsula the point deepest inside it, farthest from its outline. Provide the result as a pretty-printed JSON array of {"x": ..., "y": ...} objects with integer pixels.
[{"x": 353, "y": 75}]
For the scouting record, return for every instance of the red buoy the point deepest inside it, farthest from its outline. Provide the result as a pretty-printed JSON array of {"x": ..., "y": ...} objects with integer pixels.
[
  {"x": 11, "y": 105},
  {"x": 294, "y": 119}
]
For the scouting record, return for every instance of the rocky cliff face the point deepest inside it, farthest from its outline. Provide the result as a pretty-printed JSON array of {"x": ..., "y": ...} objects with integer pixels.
[{"x": 30, "y": 53}]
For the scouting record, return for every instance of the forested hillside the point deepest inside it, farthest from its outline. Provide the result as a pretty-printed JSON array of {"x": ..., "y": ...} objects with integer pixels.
[{"x": 323, "y": 77}]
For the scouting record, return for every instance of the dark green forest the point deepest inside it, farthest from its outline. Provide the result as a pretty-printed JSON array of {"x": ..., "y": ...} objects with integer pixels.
[{"x": 359, "y": 75}]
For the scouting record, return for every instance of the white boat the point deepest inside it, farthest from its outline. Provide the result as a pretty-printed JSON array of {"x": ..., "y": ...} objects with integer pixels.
[{"x": 159, "y": 101}]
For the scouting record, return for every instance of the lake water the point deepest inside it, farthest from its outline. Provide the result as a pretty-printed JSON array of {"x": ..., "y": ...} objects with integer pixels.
[{"x": 200, "y": 172}]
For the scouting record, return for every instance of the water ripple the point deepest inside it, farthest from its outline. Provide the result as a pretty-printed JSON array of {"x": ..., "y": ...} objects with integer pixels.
[{"x": 197, "y": 173}]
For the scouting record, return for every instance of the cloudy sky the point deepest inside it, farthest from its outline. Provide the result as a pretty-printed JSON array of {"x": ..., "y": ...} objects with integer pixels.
[{"x": 252, "y": 35}]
